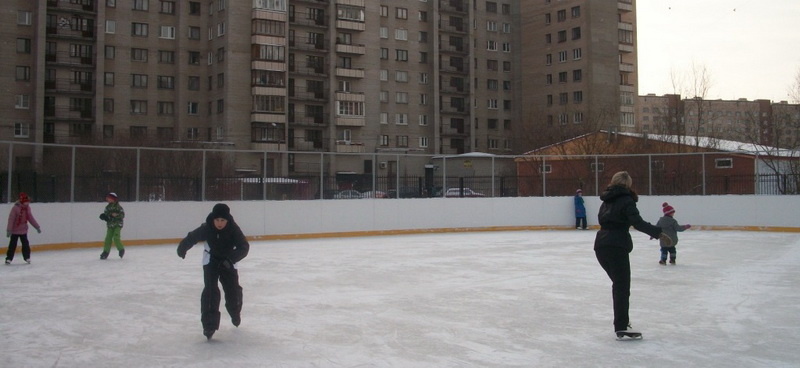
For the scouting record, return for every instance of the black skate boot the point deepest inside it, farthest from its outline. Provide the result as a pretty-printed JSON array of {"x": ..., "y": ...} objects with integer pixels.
[
  {"x": 121, "y": 252},
  {"x": 662, "y": 262},
  {"x": 628, "y": 334},
  {"x": 672, "y": 261},
  {"x": 104, "y": 255},
  {"x": 236, "y": 320},
  {"x": 208, "y": 333}
]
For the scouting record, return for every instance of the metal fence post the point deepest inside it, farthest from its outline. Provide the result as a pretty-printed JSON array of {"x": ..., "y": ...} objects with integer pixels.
[
  {"x": 544, "y": 176},
  {"x": 72, "y": 178},
  {"x": 703, "y": 157},
  {"x": 203, "y": 179},
  {"x": 650, "y": 174},
  {"x": 138, "y": 171},
  {"x": 10, "y": 169},
  {"x": 596, "y": 175}
]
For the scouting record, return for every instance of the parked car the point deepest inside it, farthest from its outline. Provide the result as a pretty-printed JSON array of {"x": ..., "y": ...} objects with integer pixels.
[
  {"x": 456, "y": 192},
  {"x": 374, "y": 194},
  {"x": 347, "y": 194},
  {"x": 405, "y": 192}
]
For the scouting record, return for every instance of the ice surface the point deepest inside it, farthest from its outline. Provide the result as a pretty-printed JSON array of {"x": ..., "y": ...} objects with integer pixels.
[{"x": 489, "y": 299}]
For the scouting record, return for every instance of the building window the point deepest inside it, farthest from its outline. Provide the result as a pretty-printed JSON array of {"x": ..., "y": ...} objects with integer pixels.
[
  {"x": 167, "y": 32},
  {"x": 166, "y": 82},
  {"x": 577, "y": 54},
  {"x": 401, "y": 55},
  {"x": 167, "y": 7},
  {"x": 577, "y": 97},
  {"x": 279, "y": 5},
  {"x": 192, "y": 133},
  {"x": 401, "y": 13},
  {"x": 108, "y": 105},
  {"x": 423, "y": 142},
  {"x": 110, "y": 52},
  {"x": 139, "y": 55},
  {"x": 111, "y": 26},
  {"x": 24, "y": 18},
  {"x": 723, "y": 163},
  {"x": 576, "y": 33},
  {"x": 194, "y": 8},
  {"x": 193, "y": 108},
  {"x": 401, "y": 34},
  {"x": 108, "y": 79},
  {"x": 139, "y": 29},
  {"x": 139, "y": 80},
  {"x": 23, "y": 73},
  {"x": 23, "y": 46},
  {"x": 138, "y": 107},
  {"x": 166, "y": 108},
  {"x": 21, "y": 130},
  {"x": 141, "y": 5},
  {"x": 402, "y": 140}
]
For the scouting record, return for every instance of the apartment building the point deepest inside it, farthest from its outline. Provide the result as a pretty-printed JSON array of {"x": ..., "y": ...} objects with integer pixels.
[
  {"x": 369, "y": 80},
  {"x": 578, "y": 67},
  {"x": 759, "y": 121}
]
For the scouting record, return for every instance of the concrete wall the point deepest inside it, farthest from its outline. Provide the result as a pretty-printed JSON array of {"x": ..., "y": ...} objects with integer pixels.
[{"x": 67, "y": 225}]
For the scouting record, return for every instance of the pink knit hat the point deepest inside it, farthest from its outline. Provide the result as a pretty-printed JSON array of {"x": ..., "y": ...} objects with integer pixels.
[{"x": 668, "y": 210}]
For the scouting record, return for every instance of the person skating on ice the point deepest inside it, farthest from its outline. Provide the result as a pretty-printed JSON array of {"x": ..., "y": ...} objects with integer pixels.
[
  {"x": 225, "y": 246},
  {"x": 17, "y": 229},
  {"x": 670, "y": 226},
  {"x": 613, "y": 244},
  {"x": 114, "y": 217}
]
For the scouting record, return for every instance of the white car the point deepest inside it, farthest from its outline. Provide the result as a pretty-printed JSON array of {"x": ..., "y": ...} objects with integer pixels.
[
  {"x": 348, "y": 194},
  {"x": 456, "y": 192}
]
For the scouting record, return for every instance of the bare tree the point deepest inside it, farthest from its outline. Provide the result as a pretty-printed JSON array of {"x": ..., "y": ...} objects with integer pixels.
[{"x": 695, "y": 87}]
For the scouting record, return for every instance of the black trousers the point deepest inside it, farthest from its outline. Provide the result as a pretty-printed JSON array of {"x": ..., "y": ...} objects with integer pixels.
[
  {"x": 617, "y": 265},
  {"x": 580, "y": 222},
  {"x": 12, "y": 247},
  {"x": 213, "y": 274}
]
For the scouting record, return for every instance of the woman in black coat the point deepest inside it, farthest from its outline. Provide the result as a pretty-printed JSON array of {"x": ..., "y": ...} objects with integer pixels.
[
  {"x": 225, "y": 246},
  {"x": 613, "y": 243}
]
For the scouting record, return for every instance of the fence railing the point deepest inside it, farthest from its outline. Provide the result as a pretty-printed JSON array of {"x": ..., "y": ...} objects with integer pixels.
[{"x": 76, "y": 173}]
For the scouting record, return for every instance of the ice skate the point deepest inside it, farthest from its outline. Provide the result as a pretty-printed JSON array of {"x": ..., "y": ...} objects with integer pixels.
[
  {"x": 236, "y": 320},
  {"x": 28, "y": 261},
  {"x": 8, "y": 261},
  {"x": 104, "y": 255},
  {"x": 662, "y": 262},
  {"x": 672, "y": 261},
  {"x": 208, "y": 333},
  {"x": 121, "y": 252},
  {"x": 628, "y": 334}
]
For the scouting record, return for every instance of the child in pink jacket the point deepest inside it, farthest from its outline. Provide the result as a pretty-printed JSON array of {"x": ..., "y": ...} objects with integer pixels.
[{"x": 17, "y": 228}]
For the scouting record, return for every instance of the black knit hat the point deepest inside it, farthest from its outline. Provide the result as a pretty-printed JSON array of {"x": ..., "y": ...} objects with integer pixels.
[{"x": 221, "y": 210}]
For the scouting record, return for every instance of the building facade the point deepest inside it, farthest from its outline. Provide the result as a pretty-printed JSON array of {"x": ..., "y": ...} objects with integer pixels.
[
  {"x": 578, "y": 69},
  {"x": 760, "y": 121},
  {"x": 365, "y": 79}
]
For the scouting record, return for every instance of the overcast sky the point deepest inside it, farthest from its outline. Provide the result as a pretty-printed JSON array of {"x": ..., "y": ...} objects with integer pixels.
[{"x": 751, "y": 48}]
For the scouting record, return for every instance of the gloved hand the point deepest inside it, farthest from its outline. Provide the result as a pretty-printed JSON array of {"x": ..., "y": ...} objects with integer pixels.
[
  {"x": 687, "y": 226},
  {"x": 181, "y": 252},
  {"x": 39, "y": 230},
  {"x": 666, "y": 239},
  {"x": 104, "y": 217},
  {"x": 226, "y": 264}
]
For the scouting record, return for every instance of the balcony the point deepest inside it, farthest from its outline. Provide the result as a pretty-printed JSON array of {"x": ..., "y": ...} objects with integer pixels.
[
  {"x": 268, "y": 146},
  {"x": 350, "y": 25},
  {"x": 87, "y": 6},
  {"x": 626, "y": 67},
  {"x": 351, "y": 121},
  {"x": 351, "y": 49},
  {"x": 445, "y": 6},
  {"x": 68, "y": 114},
  {"x": 360, "y": 3},
  {"x": 625, "y": 5},
  {"x": 625, "y": 48},
  {"x": 69, "y": 86},
  {"x": 349, "y": 73},
  {"x": 65, "y": 59},
  {"x": 350, "y": 96},
  {"x": 350, "y": 147},
  {"x": 458, "y": 27}
]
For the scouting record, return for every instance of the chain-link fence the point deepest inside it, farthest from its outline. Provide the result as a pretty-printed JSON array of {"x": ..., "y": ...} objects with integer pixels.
[{"x": 74, "y": 173}]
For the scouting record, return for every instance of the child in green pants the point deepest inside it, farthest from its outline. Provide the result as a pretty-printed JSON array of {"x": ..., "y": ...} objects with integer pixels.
[{"x": 113, "y": 216}]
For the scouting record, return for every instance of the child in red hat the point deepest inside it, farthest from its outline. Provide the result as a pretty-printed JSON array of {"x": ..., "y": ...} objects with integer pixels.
[
  {"x": 670, "y": 226},
  {"x": 17, "y": 228}
]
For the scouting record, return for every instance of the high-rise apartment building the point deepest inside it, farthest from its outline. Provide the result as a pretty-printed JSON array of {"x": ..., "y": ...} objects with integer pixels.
[
  {"x": 759, "y": 122},
  {"x": 578, "y": 67},
  {"x": 367, "y": 78}
]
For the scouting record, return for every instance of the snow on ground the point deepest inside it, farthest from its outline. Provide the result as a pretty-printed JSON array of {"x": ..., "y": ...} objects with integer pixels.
[{"x": 490, "y": 299}]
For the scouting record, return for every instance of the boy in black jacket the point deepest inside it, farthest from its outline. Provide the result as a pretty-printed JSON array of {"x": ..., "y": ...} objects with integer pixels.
[{"x": 225, "y": 246}]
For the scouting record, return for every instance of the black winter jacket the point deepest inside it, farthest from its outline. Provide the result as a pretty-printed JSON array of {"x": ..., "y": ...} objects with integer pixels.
[
  {"x": 617, "y": 214},
  {"x": 226, "y": 244}
]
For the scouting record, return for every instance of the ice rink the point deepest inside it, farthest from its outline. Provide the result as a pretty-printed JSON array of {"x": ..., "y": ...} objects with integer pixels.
[{"x": 481, "y": 299}]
